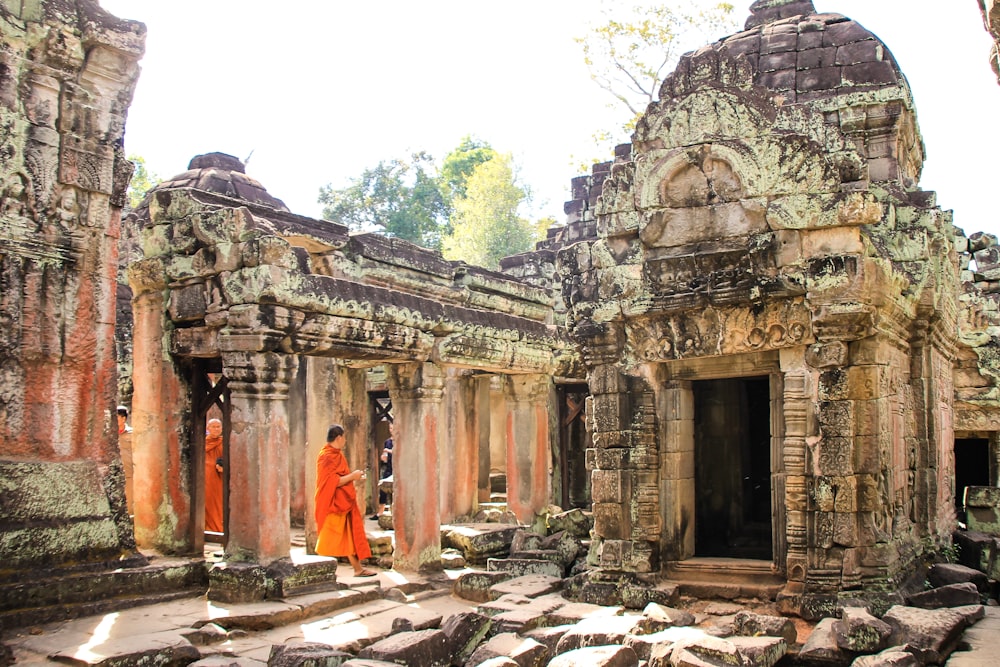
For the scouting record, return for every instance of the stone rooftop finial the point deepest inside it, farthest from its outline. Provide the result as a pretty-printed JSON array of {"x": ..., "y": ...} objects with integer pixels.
[
  {"x": 765, "y": 11},
  {"x": 217, "y": 161}
]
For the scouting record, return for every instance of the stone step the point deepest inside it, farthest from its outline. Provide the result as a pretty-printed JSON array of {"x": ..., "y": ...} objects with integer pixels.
[
  {"x": 74, "y": 593},
  {"x": 28, "y": 616},
  {"x": 725, "y": 578}
]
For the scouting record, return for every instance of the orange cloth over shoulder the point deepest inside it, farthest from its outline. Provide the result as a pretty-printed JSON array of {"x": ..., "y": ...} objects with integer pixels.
[
  {"x": 213, "y": 485},
  {"x": 332, "y": 498}
]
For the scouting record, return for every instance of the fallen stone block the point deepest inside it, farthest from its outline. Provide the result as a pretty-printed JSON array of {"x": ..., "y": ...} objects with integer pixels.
[
  {"x": 894, "y": 656},
  {"x": 978, "y": 551},
  {"x": 362, "y": 662},
  {"x": 465, "y": 631},
  {"x": 306, "y": 654},
  {"x": 860, "y": 632},
  {"x": 933, "y": 633},
  {"x": 760, "y": 651},
  {"x": 982, "y": 505},
  {"x": 943, "y": 574},
  {"x": 520, "y": 567},
  {"x": 667, "y": 617},
  {"x": 475, "y": 586},
  {"x": 549, "y": 636},
  {"x": 951, "y": 595},
  {"x": 452, "y": 559},
  {"x": 206, "y": 635},
  {"x": 519, "y": 621},
  {"x": 576, "y": 522},
  {"x": 568, "y": 547},
  {"x": 513, "y": 602},
  {"x": 749, "y": 624},
  {"x": 599, "y": 631},
  {"x": 638, "y": 596},
  {"x": 707, "y": 651},
  {"x": 597, "y": 656},
  {"x": 479, "y": 542},
  {"x": 525, "y": 652},
  {"x": 498, "y": 661},
  {"x": 223, "y": 661},
  {"x": 422, "y": 648},
  {"x": 531, "y": 585},
  {"x": 821, "y": 647},
  {"x": 574, "y": 612},
  {"x": 526, "y": 540}
]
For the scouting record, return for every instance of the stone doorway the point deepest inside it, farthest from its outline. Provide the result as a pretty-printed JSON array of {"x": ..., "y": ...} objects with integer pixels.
[
  {"x": 972, "y": 468},
  {"x": 574, "y": 479},
  {"x": 210, "y": 393},
  {"x": 732, "y": 433}
]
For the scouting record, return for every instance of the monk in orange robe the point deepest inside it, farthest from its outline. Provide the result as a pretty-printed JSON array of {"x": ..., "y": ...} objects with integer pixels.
[
  {"x": 338, "y": 517},
  {"x": 213, "y": 476}
]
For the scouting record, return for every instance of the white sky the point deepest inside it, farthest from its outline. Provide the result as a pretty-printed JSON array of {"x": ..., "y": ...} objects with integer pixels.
[{"x": 318, "y": 91}]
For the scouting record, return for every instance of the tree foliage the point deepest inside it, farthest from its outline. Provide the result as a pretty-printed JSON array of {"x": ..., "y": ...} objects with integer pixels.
[
  {"x": 142, "y": 181},
  {"x": 397, "y": 198},
  {"x": 459, "y": 164},
  {"x": 485, "y": 224},
  {"x": 632, "y": 52},
  {"x": 468, "y": 208}
]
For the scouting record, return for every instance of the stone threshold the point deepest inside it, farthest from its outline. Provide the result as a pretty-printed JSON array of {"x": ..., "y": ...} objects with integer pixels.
[{"x": 724, "y": 578}]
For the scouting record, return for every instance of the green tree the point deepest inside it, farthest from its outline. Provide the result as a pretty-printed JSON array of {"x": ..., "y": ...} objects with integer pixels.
[
  {"x": 485, "y": 222},
  {"x": 631, "y": 53},
  {"x": 142, "y": 181},
  {"x": 396, "y": 198},
  {"x": 459, "y": 164}
]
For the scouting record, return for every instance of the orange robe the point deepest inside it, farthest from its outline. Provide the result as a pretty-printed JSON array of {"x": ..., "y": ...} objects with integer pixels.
[
  {"x": 213, "y": 485},
  {"x": 338, "y": 517}
]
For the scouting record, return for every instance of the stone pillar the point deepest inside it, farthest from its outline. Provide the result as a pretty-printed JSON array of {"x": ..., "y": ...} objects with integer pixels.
[
  {"x": 416, "y": 391},
  {"x": 483, "y": 424},
  {"x": 161, "y": 416},
  {"x": 798, "y": 426},
  {"x": 677, "y": 494},
  {"x": 258, "y": 458},
  {"x": 460, "y": 456},
  {"x": 320, "y": 393},
  {"x": 529, "y": 447}
]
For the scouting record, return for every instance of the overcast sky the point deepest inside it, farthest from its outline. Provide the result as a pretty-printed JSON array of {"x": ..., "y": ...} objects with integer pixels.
[{"x": 315, "y": 92}]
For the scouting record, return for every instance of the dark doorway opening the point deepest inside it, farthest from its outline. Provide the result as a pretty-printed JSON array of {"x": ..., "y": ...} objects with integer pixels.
[
  {"x": 972, "y": 468},
  {"x": 573, "y": 478},
  {"x": 732, "y": 443},
  {"x": 210, "y": 454}
]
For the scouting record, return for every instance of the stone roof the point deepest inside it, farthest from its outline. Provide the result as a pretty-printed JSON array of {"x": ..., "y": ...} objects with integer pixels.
[
  {"x": 225, "y": 175},
  {"x": 803, "y": 55}
]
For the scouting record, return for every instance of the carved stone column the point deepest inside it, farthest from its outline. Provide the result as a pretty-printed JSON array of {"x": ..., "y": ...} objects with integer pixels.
[
  {"x": 258, "y": 459},
  {"x": 460, "y": 459},
  {"x": 161, "y": 411},
  {"x": 416, "y": 391},
  {"x": 529, "y": 450}
]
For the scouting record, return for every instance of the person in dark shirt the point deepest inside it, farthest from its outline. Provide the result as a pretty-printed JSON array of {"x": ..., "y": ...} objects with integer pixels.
[{"x": 385, "y": 472}]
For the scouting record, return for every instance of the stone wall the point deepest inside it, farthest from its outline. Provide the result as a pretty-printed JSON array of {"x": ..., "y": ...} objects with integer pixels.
[
  {"x": 991, "y": 19},
  {"x": 766, "y": 223},
  {"x": 67, "y": 73}
]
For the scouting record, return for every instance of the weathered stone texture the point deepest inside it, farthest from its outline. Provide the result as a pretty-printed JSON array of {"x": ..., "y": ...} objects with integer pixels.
[{"x": 68, "y": 76}]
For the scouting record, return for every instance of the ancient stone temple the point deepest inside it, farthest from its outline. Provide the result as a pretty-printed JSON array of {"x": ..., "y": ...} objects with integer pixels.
[
  {"x": 67, "y": 72},
  {"x": 756, "y": 351},
  {"x": 768, "y": 310},
  {"x": 274, "y": 318}
]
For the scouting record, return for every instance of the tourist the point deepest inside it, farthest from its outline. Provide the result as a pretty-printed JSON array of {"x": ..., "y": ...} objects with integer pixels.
[
  {"x": 339, "y": 520},
  {"x": 213, "y": 476},
  {"x": 125, "y": 451},
  {"x": 385, "y": 472}
]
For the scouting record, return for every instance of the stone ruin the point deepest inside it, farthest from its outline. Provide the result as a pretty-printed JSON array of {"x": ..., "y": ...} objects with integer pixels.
[{"x": 783, "y": 341}]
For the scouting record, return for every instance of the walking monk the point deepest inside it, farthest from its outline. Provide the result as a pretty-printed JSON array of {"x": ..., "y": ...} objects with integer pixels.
[
  {"x": 213, "y": 476},
  {"x": 338, "y": 517}
]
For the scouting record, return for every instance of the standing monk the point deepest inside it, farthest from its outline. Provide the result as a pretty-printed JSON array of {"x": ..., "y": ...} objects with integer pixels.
[
  {"x": 338, "y": 517},
  {"x": 213, "y": 476}
]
